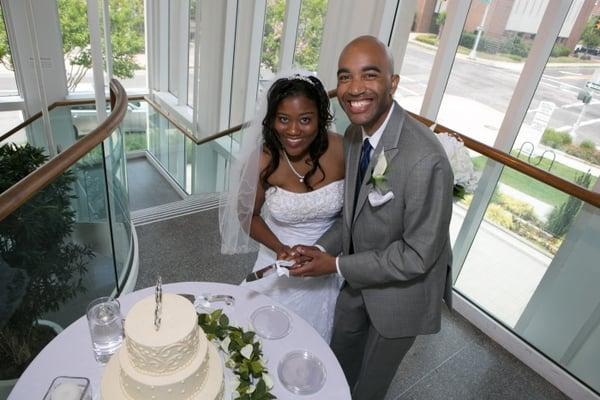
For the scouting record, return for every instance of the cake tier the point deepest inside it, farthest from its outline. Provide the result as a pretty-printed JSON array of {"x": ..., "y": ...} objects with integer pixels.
[
  {"x": 189, "y": 389},
  {"x": 172, "y": 347},
  {"x": 175, "y": 385}
]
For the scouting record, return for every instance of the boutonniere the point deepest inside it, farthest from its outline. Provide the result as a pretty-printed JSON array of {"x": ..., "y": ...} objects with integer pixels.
[
  {"x": 378, "y": 178},
  {"x": 381, "y": 193}
]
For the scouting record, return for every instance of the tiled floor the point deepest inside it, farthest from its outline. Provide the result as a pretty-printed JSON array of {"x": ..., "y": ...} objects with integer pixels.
[
  {"x": 458, "y": 363},
  {"x": 147, "y": 188}
]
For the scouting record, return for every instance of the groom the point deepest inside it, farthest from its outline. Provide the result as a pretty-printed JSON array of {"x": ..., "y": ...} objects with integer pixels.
[{"x": 391, "y": 242}]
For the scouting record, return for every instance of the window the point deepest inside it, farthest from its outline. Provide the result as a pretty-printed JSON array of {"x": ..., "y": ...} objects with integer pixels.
[{"x": 8, "y": 83}]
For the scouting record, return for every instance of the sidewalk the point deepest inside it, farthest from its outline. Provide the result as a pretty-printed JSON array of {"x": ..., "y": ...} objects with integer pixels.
[{"x": 513, "y": 66}]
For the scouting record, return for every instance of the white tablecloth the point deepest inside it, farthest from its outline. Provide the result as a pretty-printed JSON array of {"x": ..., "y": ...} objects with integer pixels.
[{"x": 70, "y": 353}]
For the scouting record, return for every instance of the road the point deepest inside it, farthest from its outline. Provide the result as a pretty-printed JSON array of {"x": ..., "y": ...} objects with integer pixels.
[{"x": 493, "y": 87}]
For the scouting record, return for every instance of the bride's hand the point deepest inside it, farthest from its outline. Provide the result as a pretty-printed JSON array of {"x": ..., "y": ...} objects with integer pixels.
[{"x": 284, "y": 252}]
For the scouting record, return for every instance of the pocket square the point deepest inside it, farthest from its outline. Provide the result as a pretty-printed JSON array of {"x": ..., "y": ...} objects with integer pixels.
[{"x": 377, "y": 199}]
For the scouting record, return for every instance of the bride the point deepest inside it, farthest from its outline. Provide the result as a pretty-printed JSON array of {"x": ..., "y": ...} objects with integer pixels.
[{"x": 286, "y": 188}]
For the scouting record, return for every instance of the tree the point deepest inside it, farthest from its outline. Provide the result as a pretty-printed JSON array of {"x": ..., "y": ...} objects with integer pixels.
[
  {"x": 273, "y": 31},
  {"x": 591, "y": 33},
  {"x": 5, "y": 55},
  {"x": 308, "y": 39},
  {"x": 127, "y": 38},
  {"x": 36, "y": 240},
  {"x": 561, "y": 217}
]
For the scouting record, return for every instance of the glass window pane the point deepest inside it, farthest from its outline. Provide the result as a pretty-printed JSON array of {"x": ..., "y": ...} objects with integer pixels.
[
  {"x": 173, "y": 57},
  {"x": 418, "y": 57},
  {"x": 128, "y": 43},
  {"x": 273, "y": 31},
  {"x": 8, "y": 83},
  {"x": 310, "y": 34},
  {"x": 8, "y": 120},
  {"x": 191, "y": 50},
  {"x": 76, "y": 45},
  {"x": 487, "y": 67},
  {"x": 560, "y": 130}
]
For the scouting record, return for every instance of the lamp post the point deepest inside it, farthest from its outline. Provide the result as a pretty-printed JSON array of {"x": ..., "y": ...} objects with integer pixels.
[
  {"x": 473, "y": 53},
  {"x": 585, "y": 96}
]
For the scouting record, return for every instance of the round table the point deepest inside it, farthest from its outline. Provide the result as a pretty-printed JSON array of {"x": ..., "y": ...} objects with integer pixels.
[{"x": 70, "y": 353}]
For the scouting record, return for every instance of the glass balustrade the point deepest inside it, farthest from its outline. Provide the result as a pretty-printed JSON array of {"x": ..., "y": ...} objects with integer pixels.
[{"x": 68, "y": 244}]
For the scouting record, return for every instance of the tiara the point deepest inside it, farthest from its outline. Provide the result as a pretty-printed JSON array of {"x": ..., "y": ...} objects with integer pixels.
[{"x": 301, "y": 78}]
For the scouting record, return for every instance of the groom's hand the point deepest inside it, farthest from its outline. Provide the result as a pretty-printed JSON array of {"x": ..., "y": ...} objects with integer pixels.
[{"x": 318, "y": 262}]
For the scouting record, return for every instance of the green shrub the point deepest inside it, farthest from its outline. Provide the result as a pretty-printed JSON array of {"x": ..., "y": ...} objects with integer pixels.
[
  {"x": 587, "y": 144},
  {"x": 561, "y": 217},
  {"x": 429, "y": 39},
  {"x": 584, "y": 153},
  {"x": 560, "y": 51},
  {"x": 520, "y": 208},
  {"x": 516, "y": 46},
  {"x": 499, "y": 216},
  {"x": 556, "y": 139},
  {"x": 467, "y": 39}
]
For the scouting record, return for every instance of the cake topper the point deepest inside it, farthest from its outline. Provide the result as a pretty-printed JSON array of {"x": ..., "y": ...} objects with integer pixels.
[{"x": 158, "y": 299}]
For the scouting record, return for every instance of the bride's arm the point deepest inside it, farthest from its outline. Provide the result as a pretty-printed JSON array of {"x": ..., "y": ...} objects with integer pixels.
[{"x": 259, "y": 230}]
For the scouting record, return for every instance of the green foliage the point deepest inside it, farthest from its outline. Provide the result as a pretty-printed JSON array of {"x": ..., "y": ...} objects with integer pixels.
[
  {"x": 440, "y": 18},
  {"x": 5, "y": 54},
  {"x": 516, "y": 46},
  {"x": 310, "y": 30},
  {"x": 310, "y": 33},
  {"x": 127, "y": 37},
  {"x": 560, "y": 51},
  {"x": 35, "y": 238},
  {"x": 273, "y": 32},
  {"x": 587, "y": 153},
  {"x": 555, "y": 139},
  {"x": 499, "y": 215},
  {"x": 587, "y": 144},
  {"x": 427, "y": 38},
  {"x": 561, "y": 217},
  {"x": 250, "y": 368},
  {"x": 591, "y": 35}
]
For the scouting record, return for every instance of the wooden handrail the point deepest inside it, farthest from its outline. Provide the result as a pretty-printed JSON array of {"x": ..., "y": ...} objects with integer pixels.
[
  {"x": 556, "y": 182},
  {"x": 20, "y": 192}
]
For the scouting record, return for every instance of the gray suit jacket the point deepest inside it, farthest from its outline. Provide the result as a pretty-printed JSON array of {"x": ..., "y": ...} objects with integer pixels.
[{"x": 402, "y": 254}]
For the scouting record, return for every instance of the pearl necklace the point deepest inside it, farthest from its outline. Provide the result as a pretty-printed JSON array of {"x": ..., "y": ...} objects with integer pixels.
[{"x": 300, "y": 177}]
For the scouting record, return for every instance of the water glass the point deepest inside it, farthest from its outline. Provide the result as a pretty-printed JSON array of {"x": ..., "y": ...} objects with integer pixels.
[
  {"x": 106, "y": 327},
  {"x": 69, "y": 388}
]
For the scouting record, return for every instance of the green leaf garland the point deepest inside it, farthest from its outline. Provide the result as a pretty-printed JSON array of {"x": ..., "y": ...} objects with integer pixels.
[{"x": 244, "y": 355}]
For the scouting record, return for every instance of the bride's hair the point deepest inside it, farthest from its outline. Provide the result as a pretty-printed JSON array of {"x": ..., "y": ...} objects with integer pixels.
[{"x": 296, "y": 85}]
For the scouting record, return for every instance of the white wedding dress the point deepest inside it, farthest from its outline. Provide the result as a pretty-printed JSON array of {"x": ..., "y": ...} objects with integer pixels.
[{"x": 301, "y": 218}]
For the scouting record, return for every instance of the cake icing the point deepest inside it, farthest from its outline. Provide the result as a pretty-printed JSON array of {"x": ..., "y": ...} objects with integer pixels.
[{"x": 176, "y": 362}]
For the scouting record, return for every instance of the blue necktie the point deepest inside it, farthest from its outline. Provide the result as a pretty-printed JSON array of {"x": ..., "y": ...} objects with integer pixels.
[{"x": 365, "y": 157}]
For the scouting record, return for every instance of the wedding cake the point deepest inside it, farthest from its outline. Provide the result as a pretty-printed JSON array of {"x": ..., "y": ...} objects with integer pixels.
[{"x": 175, "y": 362}]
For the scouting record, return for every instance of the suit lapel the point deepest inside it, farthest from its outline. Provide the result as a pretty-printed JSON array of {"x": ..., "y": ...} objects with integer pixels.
[
  {"x": 388, "y": 144},
  {"x": 351, "y": 173}
]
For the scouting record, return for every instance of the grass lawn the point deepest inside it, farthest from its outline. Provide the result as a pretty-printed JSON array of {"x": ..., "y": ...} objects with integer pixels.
[{"x": 532, "y": 187}]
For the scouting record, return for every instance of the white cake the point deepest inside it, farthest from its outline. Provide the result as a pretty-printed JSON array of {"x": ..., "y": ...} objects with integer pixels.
[{"x": 177, "y": 362}]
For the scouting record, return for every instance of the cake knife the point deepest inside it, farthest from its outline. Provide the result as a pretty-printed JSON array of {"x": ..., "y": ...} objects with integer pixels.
[{"x": 261, "y": 273}]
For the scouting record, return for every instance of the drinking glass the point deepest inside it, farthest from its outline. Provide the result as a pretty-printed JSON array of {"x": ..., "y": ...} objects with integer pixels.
[{"x": 106, "y": 327}]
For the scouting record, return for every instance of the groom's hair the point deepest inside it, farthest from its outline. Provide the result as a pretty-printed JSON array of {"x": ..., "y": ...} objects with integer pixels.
[{"x": 296, "y": 85}]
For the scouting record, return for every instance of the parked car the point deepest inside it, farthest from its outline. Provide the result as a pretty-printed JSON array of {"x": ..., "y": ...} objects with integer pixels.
[{"x": 84, "y": 117}]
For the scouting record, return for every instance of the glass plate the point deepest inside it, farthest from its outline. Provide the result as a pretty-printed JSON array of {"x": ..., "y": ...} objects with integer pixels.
[
  {"x": 271, "y": 322},
  {"x": 301, "y": 372}
]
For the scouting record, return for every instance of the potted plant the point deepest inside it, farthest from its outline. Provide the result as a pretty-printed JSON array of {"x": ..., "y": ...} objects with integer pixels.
[{"x": 41, "y": 266}]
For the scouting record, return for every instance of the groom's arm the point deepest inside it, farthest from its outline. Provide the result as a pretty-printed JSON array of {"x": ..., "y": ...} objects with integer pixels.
[
  {"x": 428, "y": 208},
  {"x": 331, "y": 240}
]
